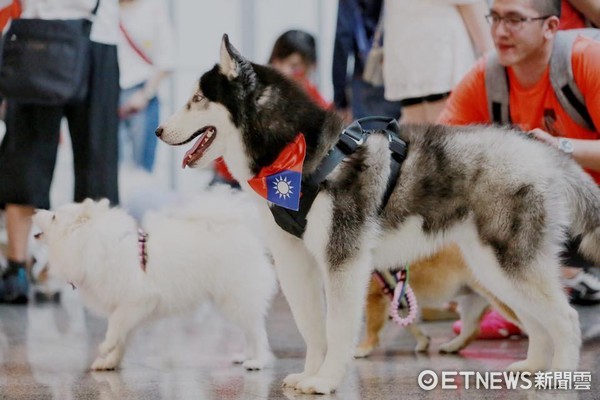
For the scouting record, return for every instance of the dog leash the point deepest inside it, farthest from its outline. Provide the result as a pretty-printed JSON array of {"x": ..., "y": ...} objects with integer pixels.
[{"x": 401, "y": 290}]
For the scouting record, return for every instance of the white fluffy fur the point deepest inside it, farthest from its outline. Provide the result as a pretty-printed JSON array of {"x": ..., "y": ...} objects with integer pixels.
[{"x": 207, "y": 251}]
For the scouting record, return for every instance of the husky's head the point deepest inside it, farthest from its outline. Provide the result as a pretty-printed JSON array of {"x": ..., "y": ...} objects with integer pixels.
[{"x": 244, "y": 112}]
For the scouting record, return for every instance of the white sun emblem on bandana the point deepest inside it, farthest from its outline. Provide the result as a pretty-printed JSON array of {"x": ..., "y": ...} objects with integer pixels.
[{"x": 283, "y": 187}]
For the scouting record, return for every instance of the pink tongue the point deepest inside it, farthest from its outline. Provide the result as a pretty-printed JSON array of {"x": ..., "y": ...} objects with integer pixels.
[{"x": 189, "y": 155}]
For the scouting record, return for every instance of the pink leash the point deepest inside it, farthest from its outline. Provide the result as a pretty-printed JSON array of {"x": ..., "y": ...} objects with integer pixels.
[{"x": 403, "y": 289}]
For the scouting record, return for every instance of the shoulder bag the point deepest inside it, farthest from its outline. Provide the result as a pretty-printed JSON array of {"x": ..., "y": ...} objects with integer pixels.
[{"x": 46, "y": 62}]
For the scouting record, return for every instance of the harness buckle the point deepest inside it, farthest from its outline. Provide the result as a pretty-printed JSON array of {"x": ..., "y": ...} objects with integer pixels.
[{"x": 351, "y": 138}]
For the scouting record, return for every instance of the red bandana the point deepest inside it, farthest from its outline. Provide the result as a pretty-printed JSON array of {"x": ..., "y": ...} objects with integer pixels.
[{"x": 280, "y": 182}]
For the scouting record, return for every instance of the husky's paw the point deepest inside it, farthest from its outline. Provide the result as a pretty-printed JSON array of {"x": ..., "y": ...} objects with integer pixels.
[
  {"x": 423, "y": 344},
  {"x": 292, "y": 380},
  {"x": 526, "y": 366},
  {"x": 104, "y": 364},
  {"x": 363, "y": 351},
  {"x": 317, "y": 385}
]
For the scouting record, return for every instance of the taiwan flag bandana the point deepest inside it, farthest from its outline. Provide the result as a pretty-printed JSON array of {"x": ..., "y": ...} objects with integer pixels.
[{"x": 280, "y": 182}]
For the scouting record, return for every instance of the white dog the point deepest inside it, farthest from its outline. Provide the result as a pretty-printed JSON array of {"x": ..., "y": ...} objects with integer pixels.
[{"x": 205, "y": 252}]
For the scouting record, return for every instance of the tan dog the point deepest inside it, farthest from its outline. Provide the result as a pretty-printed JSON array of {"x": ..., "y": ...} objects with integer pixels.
[{"x": 435, "y": 281}]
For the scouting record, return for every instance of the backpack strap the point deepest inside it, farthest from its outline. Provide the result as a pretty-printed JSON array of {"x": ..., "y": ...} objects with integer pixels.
[
  {"x": 561, "y": 76},
  {"x": 496, "y": 87}
]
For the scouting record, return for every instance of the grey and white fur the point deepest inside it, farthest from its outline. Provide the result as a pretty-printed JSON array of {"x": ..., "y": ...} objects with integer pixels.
[{"x": 508, "y": 201}]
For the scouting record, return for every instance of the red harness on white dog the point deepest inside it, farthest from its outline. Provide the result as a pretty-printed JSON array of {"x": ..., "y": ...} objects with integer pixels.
[{"x": 142, "y": 239}]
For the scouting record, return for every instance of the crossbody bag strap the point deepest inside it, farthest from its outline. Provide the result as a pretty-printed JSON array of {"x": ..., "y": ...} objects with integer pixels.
[
  {"x": 95, "y": 10},
  {"x": 134, "y": 46}
]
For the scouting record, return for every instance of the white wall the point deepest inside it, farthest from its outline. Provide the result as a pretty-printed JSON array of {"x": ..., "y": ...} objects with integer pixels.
[{"x": 253, "y": 26}]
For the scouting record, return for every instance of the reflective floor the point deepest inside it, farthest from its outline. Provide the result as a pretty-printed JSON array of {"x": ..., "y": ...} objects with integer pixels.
[{"x": 46, "y": 349}]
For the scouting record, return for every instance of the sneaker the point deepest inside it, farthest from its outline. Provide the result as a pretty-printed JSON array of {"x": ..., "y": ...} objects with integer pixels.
[
  {"x": 583, "y": 288},
  {"x": 492, "y": 326},
  {"x": 14, "y": 288}
]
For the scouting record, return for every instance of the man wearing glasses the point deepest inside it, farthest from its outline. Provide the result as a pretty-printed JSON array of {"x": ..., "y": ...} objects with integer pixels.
[{"x": 524, "y": 32}]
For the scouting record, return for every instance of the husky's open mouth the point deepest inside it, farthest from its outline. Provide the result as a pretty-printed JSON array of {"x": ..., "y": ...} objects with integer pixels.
[{"x": 207, "y": 135}]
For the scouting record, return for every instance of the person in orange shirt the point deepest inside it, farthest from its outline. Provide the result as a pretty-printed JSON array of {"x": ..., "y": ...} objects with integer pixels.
[{"x": 523, "y": 32}]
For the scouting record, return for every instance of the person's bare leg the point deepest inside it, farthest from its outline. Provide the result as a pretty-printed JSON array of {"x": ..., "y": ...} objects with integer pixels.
[
  {"x": 414, "y": 114},
  {"x": 433, "y": 110},
  {"x": 14, "y": 286},
  {"x": 18, "y": 226}
]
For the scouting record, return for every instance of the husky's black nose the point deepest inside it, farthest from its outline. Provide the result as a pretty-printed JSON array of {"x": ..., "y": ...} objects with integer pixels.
[{"x": 158, "y": 131}]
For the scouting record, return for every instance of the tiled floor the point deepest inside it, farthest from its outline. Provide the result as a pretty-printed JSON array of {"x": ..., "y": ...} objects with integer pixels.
[{"x": 45, "y": 352}]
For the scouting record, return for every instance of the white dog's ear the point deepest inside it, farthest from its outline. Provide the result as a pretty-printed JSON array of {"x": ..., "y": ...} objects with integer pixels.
[
  {"x": 42, "y": 219},
  {"x": 104, "y": 204},
  {"x": 91, "y": 207}
]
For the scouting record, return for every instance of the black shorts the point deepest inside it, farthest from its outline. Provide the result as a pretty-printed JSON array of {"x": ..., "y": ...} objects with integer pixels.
[
  {"x": 29, "y": 149},
  {"x": 426, "y": 99}
]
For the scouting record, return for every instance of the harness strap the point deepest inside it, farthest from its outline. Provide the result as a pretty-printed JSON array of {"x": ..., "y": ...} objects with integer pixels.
[
  {"x": 294, "y": 222},
  {"x": 143, "y": 252}
]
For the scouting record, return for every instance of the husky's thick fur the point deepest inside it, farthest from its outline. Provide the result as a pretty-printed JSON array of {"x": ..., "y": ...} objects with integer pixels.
[
  {"x": 195, "y": 254},
  {"x": 505, "y": 199}
]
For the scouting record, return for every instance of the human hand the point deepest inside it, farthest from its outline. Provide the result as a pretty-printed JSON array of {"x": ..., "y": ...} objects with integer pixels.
[
  {"x": 134, "y": 104},
  {"x": 544, "y": 136}
]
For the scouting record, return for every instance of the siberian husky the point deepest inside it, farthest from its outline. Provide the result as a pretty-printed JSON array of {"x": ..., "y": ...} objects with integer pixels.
[
  {"x": 507, "y": 200},
  {"x": 199, "y": 253}
]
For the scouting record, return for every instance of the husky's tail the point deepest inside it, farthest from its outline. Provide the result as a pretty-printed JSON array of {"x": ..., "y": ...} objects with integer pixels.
[{"x": 583, "y": 196}]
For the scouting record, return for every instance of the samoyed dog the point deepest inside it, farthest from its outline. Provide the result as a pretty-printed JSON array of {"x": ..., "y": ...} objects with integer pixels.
[{"x": 184, "y": 256}]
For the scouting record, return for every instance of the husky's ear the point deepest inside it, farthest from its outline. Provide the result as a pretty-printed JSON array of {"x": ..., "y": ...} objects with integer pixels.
[
  {"x": 230, "y": 59},
  {"x": 233, "y": 65}
]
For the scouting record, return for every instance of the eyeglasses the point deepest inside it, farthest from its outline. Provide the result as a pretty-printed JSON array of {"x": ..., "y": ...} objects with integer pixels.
[{"x": 512, "y": 23}]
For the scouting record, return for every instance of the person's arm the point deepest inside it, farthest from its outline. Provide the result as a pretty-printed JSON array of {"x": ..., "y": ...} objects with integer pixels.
[
  {"x": 163, "y": 62},
  {"x": 467, "y": 103},
  {"x": 589, "y": 8},
  {"x": 585, "y": 152},
  {"x": 473, "y": 15},
  {"x": 585, "y": 61}
]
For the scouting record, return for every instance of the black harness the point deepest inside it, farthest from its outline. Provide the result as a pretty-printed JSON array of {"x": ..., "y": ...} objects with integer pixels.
[{"x": 351, "y": 138}]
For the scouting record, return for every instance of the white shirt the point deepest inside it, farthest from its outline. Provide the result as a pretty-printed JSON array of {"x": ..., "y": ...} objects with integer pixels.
[
  {"x": 105, "y": 28},
  {"x": 148, "y": 24},
  {"x": 427, "y": 47}
]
